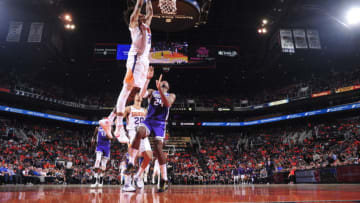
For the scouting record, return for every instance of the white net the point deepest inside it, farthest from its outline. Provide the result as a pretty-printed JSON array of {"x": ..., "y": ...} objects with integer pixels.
[{"x": 168, "y": 6}]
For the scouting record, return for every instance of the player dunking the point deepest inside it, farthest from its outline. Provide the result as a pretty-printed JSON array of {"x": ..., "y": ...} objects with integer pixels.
[
  {"x": 160, "y": 102},
  {"x": 102, "y": 154},
  {"x": 135, "y": 115},
  {"x": 137, "y": 67}
]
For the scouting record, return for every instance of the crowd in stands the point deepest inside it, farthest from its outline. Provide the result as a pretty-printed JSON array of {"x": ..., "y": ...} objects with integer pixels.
[
  {"x": 103, "y": 98},
  {"x": 41, "y": 151},
  {"x": 38, "y": 153},
  {"x": 327, "y": 82},
  {"x": 256, "y": 155}
]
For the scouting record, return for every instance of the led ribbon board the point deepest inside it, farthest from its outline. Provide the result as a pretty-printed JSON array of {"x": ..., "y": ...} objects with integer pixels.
[
  {"x": 47, "y": 116},
  {"x": 213, "y": 124},
  {"x": 286, "y": 117}
]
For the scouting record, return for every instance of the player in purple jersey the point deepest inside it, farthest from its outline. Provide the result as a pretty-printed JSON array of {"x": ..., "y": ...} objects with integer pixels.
[
  {"x": 160, "y": 102},
  {"x": 102, "y": 154}
]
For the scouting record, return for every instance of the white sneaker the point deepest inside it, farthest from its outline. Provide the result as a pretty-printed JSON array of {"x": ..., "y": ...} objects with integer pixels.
[
  {"x": 128, "y": 188},
  {"x": 94, "y": 185},
  {"x": 106, "y": 125},
  {"x": 139, "y": 183},
  {"x": 100, "y": 185},
  {"x": 120, "y": 135}
]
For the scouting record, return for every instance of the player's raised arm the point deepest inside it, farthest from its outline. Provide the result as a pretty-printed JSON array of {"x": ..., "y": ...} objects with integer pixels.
[
  {"x": 135, "y": 14},
  {"x": 149, "y": 12},
  {"x": 163, "y": 86},
  {"x": 93, "y": 139}
]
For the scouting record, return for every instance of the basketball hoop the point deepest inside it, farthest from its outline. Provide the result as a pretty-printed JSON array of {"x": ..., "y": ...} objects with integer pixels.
[
  {"x": 175, "y": 15},
  {"x": 168, "y": 7}
]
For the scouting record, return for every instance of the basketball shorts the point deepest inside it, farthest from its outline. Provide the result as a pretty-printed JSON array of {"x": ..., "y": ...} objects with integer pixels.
[
  {"x": 137, "y": 70},
  {"x": 158, "y": 128},
  {"x": 144, "y": 143},
  {"x": 105, "y": 150}
]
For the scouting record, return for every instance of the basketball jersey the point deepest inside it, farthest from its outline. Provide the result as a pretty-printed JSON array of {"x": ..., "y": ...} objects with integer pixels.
[
  {"x": 135, "y": 117},
  {"x": 241, "y": 171},
  {"x": 156, "y": 110},
  {"x": 102, "y": 139},
  {"x": 141, "y": 41}
]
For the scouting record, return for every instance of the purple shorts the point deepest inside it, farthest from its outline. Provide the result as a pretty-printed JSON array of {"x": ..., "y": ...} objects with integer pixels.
[
  {"x": 104, "y": 149},
  {"x": 156, "y": 127}
]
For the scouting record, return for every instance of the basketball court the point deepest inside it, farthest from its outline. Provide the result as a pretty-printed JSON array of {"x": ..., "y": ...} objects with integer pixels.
[
  {"x": 171, "y": 18},
  {"x": 216, "y": 193}
]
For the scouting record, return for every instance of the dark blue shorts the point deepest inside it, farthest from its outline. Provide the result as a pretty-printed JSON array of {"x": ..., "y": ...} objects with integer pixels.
[
  {"x": 104, "y": 149},
  {"x": 156, "y": 127}
]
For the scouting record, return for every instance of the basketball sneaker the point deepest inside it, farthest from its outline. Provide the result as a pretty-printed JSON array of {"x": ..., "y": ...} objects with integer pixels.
[
  {"x": 128, "y": 188},
  {"x": 95, "y": 184},
  {"x": 164, "y": 185},
  {"x": 120, "y": 135},
  {"x": 139, "y": 183},
  {"x": 145, "y": 179},
  {"x": 106, "y": 125}
]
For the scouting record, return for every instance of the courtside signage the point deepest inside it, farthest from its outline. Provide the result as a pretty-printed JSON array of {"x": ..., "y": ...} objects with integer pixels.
[
  {"x": 286, "y": 117},
  {"x": 212, "y": 124}
]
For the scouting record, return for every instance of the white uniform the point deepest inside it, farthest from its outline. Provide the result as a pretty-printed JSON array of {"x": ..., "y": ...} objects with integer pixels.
[
  {"x": 138, "y": 58},
  {"x": 135, "y": 117}
]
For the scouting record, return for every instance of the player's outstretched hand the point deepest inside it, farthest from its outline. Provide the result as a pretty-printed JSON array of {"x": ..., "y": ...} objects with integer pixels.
[
  {"x": 150, "y": 73},
  {"x": 158, "y": 82}
]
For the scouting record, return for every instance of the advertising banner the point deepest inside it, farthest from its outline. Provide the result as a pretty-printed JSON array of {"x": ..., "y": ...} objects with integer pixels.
[
  {"x": 320, "y": 94},
  {"x": 106, "y": 52},
  {"x": 4, "y": 90},
  {"x": 345, "y": 89},
  {"x": 286, "y": 117},
  {"x": 45, "y": 115},
  {"x": 275, "y": 103},
  {"x": 307, "y": 176},
  {"x": 328, "y": 175}
]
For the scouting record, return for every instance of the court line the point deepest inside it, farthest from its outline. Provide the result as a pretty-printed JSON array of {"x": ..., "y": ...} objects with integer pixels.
[{"x": 303, "y": 201}]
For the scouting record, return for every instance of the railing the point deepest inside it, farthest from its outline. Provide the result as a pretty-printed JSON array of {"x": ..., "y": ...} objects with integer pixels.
[{"x": 26, "y": 93}]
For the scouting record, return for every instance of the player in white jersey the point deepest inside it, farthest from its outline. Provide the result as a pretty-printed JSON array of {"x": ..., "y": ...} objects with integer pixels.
[
  {"x": 135, "y": 115},
  {"x": 137, "y": 67}
]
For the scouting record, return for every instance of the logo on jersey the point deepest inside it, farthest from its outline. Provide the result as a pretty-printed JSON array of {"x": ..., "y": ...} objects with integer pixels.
[{"x": 136, "y": 114}]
